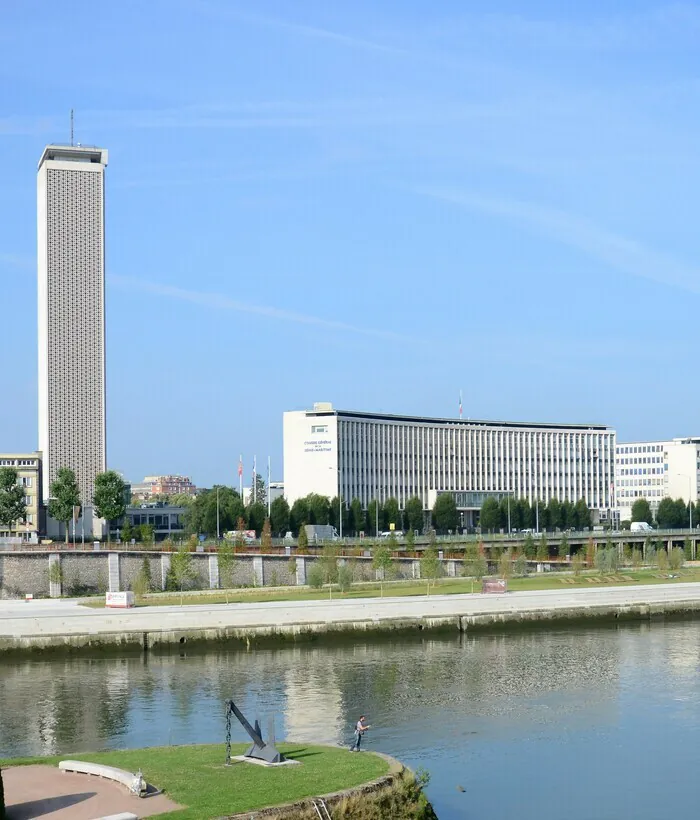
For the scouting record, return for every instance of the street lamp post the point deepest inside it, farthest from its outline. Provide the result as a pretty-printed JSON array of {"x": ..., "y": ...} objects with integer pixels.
[{"x": 217, "y": 512}]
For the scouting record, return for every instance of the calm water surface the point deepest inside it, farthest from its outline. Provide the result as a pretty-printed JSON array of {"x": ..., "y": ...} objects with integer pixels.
[{"x": 578, "y": 724}]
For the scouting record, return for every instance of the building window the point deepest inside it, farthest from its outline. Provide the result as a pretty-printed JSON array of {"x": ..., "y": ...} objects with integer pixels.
[{"x": 319, "y": 428}]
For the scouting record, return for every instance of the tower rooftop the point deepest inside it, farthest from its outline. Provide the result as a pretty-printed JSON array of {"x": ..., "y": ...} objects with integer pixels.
[{"x": 74, "y": 153}]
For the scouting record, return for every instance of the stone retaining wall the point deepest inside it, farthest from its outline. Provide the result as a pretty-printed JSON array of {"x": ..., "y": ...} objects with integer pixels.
[{"x": 87, "y": 572}]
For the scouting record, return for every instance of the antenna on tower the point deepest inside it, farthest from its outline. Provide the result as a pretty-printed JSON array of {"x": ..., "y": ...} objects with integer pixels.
[{"x": 71, "y": 127}]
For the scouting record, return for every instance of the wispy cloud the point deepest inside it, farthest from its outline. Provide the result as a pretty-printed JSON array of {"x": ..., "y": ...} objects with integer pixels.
[
  {"x": 218, "y": 301},
  {"x": 315, "y": 32},
  {"x": 620, "y": 252}
]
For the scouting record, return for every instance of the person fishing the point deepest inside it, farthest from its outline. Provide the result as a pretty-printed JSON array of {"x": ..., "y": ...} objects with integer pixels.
[{"x": 360, "y": 728}]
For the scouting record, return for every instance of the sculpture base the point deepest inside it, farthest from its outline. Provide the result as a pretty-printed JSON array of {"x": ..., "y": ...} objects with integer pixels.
[{"x": 258, "y": 762}]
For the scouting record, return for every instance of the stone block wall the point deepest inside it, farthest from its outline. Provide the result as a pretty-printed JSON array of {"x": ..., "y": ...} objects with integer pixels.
[
  {"x": 88, "y": 572},
  {"x": 22, "y": 573},
  {"x": 278, "y": 571},
  {"x": 84, "y": 573}
]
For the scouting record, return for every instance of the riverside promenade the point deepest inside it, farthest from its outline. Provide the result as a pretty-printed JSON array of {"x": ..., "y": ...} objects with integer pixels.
[{"x": 44, "y": 624}]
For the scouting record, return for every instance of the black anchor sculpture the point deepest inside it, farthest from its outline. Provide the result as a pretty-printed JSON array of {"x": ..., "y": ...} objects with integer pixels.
[{"x": 259, "y": 750}]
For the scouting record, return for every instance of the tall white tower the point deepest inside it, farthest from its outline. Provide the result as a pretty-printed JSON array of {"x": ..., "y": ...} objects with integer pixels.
[{"x": 71, "y": 256}]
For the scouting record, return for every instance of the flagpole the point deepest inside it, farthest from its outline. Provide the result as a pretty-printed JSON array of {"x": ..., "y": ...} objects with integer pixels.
[
  {"x": 240, "y": 475},
  {"x": 269, "y": 502},
  {"x": 255, "y": 479}
]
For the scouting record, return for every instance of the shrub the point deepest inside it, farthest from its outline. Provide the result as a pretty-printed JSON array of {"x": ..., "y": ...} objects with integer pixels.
[
  {"x": 662, "y": 559},
  {"x": 505, "y": 565},
  {"x": 676, "y": 558},
  {"x": 577, "y": 562},
  {"x": 636, "y": 558},
  {"x": 314, "y": 576},
  {"x": 520, "y": 565},
  {"x": 344, "y": 577}
]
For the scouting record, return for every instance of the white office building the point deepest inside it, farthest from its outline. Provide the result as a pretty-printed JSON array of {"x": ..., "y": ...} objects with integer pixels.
[
  {"x": 378, "y": 456},
  {"x": 71, "y": 258},
  {"x": 654, "y": 470}
]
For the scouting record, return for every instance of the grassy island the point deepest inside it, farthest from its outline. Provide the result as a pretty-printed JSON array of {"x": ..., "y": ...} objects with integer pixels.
[{"x": 196, "y": 776}]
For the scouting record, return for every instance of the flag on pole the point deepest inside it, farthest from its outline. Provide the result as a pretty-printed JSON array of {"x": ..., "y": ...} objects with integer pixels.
[
  {"x": 460, "y": 404},
  {"x": 240, "y": 466}
]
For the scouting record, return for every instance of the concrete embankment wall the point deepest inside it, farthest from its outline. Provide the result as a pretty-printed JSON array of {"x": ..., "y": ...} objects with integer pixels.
[
  {"x": 280, "y": 634},
  {"x": 396, "y": 795},
  {"x": 82, "y": 572}
]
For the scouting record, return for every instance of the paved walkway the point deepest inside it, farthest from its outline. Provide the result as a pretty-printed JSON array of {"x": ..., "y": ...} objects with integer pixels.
[
  {"x": 68, "y": 617},
  {"x": 44, "y": 791}
]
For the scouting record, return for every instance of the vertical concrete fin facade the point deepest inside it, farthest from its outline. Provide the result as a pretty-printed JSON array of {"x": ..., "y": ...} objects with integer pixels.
[{"x": 71, "y": 315}]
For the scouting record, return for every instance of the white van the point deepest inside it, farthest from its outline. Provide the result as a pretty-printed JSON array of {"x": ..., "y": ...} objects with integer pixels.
[{"x": 640, "y": 526}]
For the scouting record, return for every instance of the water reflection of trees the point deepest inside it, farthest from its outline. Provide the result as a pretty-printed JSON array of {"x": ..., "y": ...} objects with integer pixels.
[{"x": 316, "y": 691}]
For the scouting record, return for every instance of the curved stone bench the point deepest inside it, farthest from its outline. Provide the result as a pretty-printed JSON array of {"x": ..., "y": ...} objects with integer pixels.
[{"x": 134, "y": 782}]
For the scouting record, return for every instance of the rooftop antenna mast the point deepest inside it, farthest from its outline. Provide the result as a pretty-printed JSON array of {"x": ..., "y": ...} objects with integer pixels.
[{"x": 71, "y": 127}]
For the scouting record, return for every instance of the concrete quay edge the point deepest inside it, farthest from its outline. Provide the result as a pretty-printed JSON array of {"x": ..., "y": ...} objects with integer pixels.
[{"x": 507, "y": 612}]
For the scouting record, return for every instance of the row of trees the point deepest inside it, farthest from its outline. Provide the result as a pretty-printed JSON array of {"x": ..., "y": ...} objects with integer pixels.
[
  {"x": 109, "y": 497},
  {"x": 554, "y": 515},
  {"x": 670, "y": 514},
  {"x": 201, "y": 515}
]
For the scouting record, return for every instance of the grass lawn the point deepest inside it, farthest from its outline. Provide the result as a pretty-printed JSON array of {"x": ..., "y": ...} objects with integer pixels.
[
  {"x": 196, "y": 777},
  {"x": 445, "y": 586}
]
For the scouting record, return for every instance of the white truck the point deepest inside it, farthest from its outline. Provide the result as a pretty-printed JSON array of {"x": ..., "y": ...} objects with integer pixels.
[
  {"x": 316, "y": 533},
  {"x": 640, "y": 526}
]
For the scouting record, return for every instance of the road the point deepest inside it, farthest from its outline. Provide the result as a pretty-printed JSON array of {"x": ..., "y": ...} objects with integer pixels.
[{"x": 69, "y": 617}]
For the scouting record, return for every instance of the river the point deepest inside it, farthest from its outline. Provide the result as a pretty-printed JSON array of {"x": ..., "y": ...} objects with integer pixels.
[{"x": 577, "y": 724}]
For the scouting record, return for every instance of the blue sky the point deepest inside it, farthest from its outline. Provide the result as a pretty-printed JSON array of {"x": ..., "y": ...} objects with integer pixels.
[{"x": 375, "y": 204}]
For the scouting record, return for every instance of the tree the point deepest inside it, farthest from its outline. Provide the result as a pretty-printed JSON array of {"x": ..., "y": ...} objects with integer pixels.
[
  {"x": 201, "y": 515},
  {"x": 554, "y": 513},
  {"x": 182, "y": 569},
  {"x": 266, "y": 537},
  {"x": 256, "y": 515},
  {"x": 299, "y": 515},
  {"x": 445, "y": 515},
  {"x": 413, "y": 514},
  {"x": 372, "y": 517},
  {"x": 12, "y": 506},
  {"x": 65, "y": 496},
  {"x": 490, "y": 516},
  {"x": 227, "y": 565},
  {"x": 279, "y": 515},
  {"x": 475, "y": 564},
  {"x": 543, "y": 549},
  {"x": 525, "y": 516},
  {"x": 382, "y": 562},
  {"x": 109, "y": 498},
  {"x": 258, "y": 491},
  {"x": 641, "y": 511},
  {"x": 329, "y": 566},
  {"x": 582, "y": 515},
  {"x": 430, "y": 566},
  {"x": 529, "y": 548},
  {"x": 539, "y": 515},
  {"x": 319, "y": 508},
  {"x": 146, "y": 534},
  {"x": 303, "y": 541},
  {"x": 563, "y": 547},
  {"x": 392, "y": 514},
  {"x": 505, "y": 564},
  {"x": 357, "y": 517},
  {"x": 669, "y": 514},
  {"x": 127, "y": 532}
]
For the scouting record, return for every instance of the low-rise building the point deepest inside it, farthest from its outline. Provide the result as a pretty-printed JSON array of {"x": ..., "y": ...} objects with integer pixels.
[
  {"x": 654, "y": 470},
  {"x": 372, "y": 456},
  {"x": 163, "y": 485},
  {"x": 167, "y": 520},
  {"x": 28, "y": 467}
]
